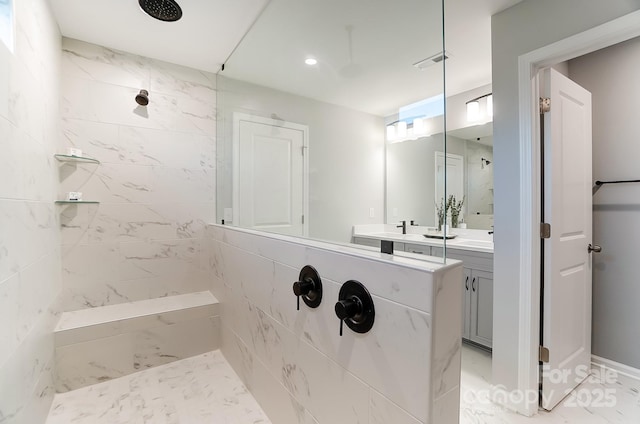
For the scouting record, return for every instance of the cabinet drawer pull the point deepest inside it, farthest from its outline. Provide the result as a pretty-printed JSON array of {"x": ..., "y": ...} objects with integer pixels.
[
  {"x": 473, "y": 284},
  {"x": 466, "y": 283}
]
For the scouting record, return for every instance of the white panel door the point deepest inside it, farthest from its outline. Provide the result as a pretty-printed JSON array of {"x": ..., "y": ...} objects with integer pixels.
[
  {"x": 567, "y": 260},
  {"x": 455, "y": 177},
  {"x": 270, "y": 178}
]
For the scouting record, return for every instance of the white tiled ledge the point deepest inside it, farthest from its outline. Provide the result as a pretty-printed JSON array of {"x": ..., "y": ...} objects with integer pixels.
[
  {"x": 98, "y": 344},
  {"x": 90, "y": 324}
]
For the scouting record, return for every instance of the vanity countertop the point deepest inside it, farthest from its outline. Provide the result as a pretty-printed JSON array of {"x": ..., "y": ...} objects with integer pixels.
[{"x": 466, "y": 239}]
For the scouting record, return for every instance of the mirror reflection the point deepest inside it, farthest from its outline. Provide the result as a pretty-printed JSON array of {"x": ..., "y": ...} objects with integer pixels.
[
  {"x": 302, "y": 108},
  {"x": 415, "y": 168}
]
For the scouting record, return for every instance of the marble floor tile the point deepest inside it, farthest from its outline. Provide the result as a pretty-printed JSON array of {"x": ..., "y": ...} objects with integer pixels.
[
  {"x": 198, "y": 390},
  {"x": 620, "y": 404}
]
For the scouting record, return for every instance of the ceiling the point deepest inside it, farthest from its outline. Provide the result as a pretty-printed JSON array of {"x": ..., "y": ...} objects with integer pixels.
[
  {"x": 365, "y": 48},
  {"x": 203, "y": 39}
]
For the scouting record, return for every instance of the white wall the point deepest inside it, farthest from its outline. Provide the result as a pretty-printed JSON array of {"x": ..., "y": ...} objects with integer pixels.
[
  {"x": 611, "y": 75},
  {"x": 346, "y": 155},
  {"x": 518, "y": 30},
  {"x": 156, "y": 182},
  {"x": 29, "y": 237},
  {"x": 406, "y": 370}
]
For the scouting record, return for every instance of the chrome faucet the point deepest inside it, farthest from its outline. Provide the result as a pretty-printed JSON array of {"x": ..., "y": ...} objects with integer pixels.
[{"x": 403, "y": 225}]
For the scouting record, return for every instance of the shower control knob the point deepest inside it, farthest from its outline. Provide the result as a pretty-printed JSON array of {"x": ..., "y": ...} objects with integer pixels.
[
  {"x": 348, "y": 308},
  {"x": 301, "y": 288},
  {"x": 308, "y": 287},
  {"x": 355, "y": 307}
]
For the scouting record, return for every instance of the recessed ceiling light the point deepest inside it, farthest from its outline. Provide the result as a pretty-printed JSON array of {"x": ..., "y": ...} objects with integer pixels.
[{"x": 311, "y": 61}]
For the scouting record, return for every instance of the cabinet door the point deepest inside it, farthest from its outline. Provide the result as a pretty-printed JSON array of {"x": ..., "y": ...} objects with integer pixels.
[
  {"x": 466, "y": 304},
  {"x": 482, "y": 307},
  {"x": 417, "y": 248},
  {"x": 366, "y": 241}
]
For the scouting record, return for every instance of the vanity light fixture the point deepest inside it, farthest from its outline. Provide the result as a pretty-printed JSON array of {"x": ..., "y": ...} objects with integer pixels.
[
  {"x": 490, "y": 105},
  {"x": 311, "y": 61},
  {"x": 402, "y": 131},
  {"x": 391, "y": 132},
  {"x": 419, "y": 127},
  {"x": 474, "y": 113}
]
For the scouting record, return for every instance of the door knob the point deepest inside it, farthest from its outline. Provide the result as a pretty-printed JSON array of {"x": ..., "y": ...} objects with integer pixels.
[{"x": 594, "y": 248}]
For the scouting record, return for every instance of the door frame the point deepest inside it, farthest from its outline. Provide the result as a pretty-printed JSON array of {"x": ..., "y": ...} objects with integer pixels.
[
  {"x": 445, "y": 157},
  {"x": 599, "y": 37},
  {"x": 237, "y": 118}
]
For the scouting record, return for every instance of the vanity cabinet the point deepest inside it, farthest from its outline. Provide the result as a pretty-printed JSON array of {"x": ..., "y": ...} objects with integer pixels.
[
  {"x": 365, "y": 241},
  {"x": 477, "y": 296},
  {"x": 421, "y": 249},
  {"x": 477, "y": 324}
]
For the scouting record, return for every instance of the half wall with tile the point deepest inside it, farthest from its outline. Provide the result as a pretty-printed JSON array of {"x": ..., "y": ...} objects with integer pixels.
[
  {"x": 155, "y": 182},
  {"x": 29, "y": 237},
  {"x": 406, "y": 370}
]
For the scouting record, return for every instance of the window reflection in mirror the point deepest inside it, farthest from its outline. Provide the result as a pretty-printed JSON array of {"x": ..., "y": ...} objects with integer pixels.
[{"x": 6, "y": 23}]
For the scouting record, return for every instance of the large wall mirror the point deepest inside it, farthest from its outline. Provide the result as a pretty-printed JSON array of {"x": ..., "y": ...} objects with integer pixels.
[
  {"x": 415, "y": 166},
  {"x": 328, "y": 116}
]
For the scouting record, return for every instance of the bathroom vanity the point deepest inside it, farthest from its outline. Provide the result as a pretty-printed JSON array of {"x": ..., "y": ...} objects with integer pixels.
[{"x": 473, "y": 247}]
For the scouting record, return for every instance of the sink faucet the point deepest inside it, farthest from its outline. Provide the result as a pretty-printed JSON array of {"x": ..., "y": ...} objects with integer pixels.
[{"x": 403, "y": 225}]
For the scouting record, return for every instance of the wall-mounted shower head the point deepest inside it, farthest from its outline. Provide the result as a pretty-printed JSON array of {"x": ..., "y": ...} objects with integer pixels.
[
  {"x": 164, "y": 10},
  {"x": 484, "y": 162},
  {"x": 142, "y": 98}
]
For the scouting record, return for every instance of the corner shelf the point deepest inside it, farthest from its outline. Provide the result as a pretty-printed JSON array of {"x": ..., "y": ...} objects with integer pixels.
[
  {"x": 75, "y": 202},
  {"x": 68, "y": 158}
]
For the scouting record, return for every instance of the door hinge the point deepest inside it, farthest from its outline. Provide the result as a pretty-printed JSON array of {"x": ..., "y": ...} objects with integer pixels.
[
  {"x": 543, "y": 354},
  {"x": 545, "y": 105},
  {"x": 545, "y": 230}
]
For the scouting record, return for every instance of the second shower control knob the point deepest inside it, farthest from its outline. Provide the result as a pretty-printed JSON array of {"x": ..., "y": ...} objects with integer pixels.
[
  {"x": 348, "y": 308},
  {"x": 355, "y": 307},
  {"x": 308, "y": 287}
]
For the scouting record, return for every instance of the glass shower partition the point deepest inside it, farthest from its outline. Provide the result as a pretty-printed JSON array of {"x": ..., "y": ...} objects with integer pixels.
[{"x": 331, "y": 124}]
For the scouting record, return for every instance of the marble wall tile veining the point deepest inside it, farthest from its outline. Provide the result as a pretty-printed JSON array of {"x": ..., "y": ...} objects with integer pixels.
[
  {"x": 296, "y": 362},
  {"x": 383, "y": 411},
  {"x": 30, "y": 280},
  {"x": 155, "y": 182},
  {"x": 87, "y": 61}
]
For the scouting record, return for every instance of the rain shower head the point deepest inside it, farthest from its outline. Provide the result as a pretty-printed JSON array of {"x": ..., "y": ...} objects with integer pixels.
[
  {"x": 164, "y": 10},
  {"x": 142, "y": 98}
]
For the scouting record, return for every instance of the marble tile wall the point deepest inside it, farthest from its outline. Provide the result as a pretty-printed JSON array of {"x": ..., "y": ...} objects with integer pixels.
[
  {"x": 155, "y": 183},
  {"x": 29, "y": 235},
  {"x": 405, "y": 370}
]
